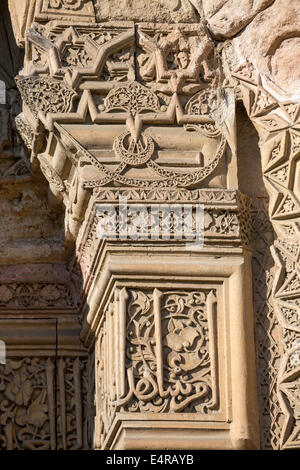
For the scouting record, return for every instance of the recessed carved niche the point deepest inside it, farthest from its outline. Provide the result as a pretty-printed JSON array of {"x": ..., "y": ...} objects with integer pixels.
[{"x": 166, "y": 351}]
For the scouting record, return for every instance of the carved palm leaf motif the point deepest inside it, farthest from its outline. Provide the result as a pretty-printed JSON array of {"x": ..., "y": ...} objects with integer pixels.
[{"x": 133, "y": 98}]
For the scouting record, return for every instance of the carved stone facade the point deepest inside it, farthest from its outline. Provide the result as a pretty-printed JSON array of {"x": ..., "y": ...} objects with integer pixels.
[{"x": 117, "y": 118}]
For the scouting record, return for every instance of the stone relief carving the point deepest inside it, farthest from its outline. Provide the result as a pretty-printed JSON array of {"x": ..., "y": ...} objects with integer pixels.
[
  {"x": 227, "y": 219},
  {"x": 167, "y": 362},
  {"x": 184, "y": 343},
  {"x": 29, "y": 295},
  {"x": 29, "y": 400},
  {"x": 45, "y": 95},
  {"x": 157, "y": 90},
  {"x": 177, "y": 56},
  {"x": 267, "y": 327},
  {"x": 14, "y": 165},
  {"x": 141, "y": 82},
  {"x": 67, "y": 4},
  {"x": 277, "y": 121},
  {"x": 82, "y": 10},
  {"x": 72, "y": 403},
  {"x": 135, "y": 148},
  {"x": 25, "y": 420}
]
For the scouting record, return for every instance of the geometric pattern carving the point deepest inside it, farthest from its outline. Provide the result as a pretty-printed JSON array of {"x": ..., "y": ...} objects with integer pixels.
[
  {"x": 277, "y": 121},
  {"x": 226, "y": 218},
  {"x": 267, "y": 326}
]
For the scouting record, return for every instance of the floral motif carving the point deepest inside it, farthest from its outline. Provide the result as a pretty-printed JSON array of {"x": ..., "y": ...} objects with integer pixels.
[
  {"x": 24, "y": 390},
  {"x": 168, "y": 364},
  {"x": 45, "y": 94},
  {"x": 133, "y": 98},
  {"x": 184, "y": 382},
  {"x": 28, "y": 295},
  {"x": 277, "y": 122},
  {"x": 31, "y": 389},
  {"x": 77, "y": 56}
]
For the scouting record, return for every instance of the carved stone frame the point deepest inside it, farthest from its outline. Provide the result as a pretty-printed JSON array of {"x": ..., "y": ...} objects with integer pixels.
[{"x": 237, "y": 426}]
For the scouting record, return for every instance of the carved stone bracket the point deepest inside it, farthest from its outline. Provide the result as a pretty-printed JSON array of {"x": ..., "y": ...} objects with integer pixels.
[{"x": 226, "y": 221}]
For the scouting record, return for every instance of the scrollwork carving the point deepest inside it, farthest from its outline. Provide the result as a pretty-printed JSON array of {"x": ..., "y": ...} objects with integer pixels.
[
  {"x": 31, "y": 389},
  {"x": 67, "y": 4},
  {"x": 133, "y": 98},
  {"x": 24, "y": 390},
  {"x": 45, "y": 94},
  {"x": 28, "y": 295},
  {"x": 168, "y": 364},
  {"x": 277, "y": 121}
]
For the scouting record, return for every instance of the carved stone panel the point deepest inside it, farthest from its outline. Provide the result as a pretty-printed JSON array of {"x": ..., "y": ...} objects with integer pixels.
[
  {"x": 165, "y": 352},
  {"x": 136, "y": 99},
  {"x": 153, "y": 120}
]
